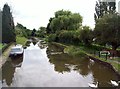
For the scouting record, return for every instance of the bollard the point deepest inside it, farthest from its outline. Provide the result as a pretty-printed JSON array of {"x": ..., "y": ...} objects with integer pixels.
[{"x": 106, "y": 56}]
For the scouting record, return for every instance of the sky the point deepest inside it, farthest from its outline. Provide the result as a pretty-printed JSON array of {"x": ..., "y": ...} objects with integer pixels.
[{"x": 36, "y": 13}]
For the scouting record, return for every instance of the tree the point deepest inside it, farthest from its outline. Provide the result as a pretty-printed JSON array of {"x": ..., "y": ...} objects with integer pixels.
[
  {"x": 64, "y": 20},
  {"x": 41, "y": 32},
  {"x": 86, "y": 35},
  {"x": 8, "y": 31},
  {"x": 22, "y": 30},
  {"x": 33, "y": 32},
  {"x": 104, "y": 7},
  {"x": 48, "y": 29},
  {"x": 107, "y": 30}
]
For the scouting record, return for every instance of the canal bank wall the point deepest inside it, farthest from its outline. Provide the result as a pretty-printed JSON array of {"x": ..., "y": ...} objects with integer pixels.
[{"x": 105, "y": 64}]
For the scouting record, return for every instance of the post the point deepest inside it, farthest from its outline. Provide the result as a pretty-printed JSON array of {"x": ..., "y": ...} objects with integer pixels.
[
  {"x": 106, "y": 55},
  {"x": 99, "y": 53}
]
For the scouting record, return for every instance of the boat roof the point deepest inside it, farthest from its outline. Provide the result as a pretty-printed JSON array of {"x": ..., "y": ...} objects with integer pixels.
[{"x": 17, "y": 46}]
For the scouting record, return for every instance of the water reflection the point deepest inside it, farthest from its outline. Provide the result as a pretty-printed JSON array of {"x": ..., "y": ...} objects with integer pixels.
[
  {"x": 49, "y": 66},
  {"x": 8, "y": 69},
  {"x": 84, "y": 66},
  {"x": 42, "y": 44}
]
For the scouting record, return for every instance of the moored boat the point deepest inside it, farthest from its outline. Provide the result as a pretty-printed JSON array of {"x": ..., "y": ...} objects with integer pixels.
[{"x": 16, "y": 50}]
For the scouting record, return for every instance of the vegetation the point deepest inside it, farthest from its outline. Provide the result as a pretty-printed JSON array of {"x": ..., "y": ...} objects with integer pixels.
[
  {"x": 64, "y": 20},
  {"x": 33, "y": 32},
  {"x": 102, "y": 8},
  {"x": 107, "y": 30},
  {"x": 84, "y": 51},
  {"x": 41, "y": 32},
  {"x": 22, "y": 31},
  {"x": 1, "y": 45},
  {"x": 66, "y": 27},
  {"x": 74, "y": 51},
  {"x": 21, "y": 40},
  {"x": 8, "y": 31}
]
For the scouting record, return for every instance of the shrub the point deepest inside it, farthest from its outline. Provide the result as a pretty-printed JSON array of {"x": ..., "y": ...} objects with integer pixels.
[
  {"x": 52, "y": 37},
  {"x": 74, "y": 51}
]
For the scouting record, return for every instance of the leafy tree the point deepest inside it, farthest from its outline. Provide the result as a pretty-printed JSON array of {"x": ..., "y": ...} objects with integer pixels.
[
  {"x": 48, "y": 29},
  {"x": 8, "y": 31},
  {"x": 62, "y": 12},
  {"x": 86, "y": 35},
  {"x": 104, "y": 7},
  {"x": 22, "y": 30},
  {"x": 52, "y": 37},
  {"x": 66, "y": 36},
  {"x": 64, "y": 20},
  {"x": 107, "y": 30},
  {"x": 41, "y": 32}
]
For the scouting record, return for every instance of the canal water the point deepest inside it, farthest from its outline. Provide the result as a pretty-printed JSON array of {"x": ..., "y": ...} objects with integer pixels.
[{"x": 48, "y": 66}]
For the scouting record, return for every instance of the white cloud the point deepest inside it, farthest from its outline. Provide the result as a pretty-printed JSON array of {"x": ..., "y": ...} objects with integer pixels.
[{"x": 36, "y": 13}]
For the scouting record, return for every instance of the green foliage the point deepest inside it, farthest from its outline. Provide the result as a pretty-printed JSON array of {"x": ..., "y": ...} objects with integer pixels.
[
  {"x": 33, "y": 32},
  {"x": 52, "y": 37},
  {"x": 41, "y": 32},
  {"x": 8, "y": 31},
  {"x": 107, "y": 30},
  {"x": 66, "y": 36},
  {"x": 74, "y": 51},
  {"x": 64, "y": 20},
  {"x": 86, "y": 35},
  {"x": 22, "y": 31},
  {"x": 21, "y": 40},
  {"x": 1, "y": 45},
  {"x": 68, "y": 28}
]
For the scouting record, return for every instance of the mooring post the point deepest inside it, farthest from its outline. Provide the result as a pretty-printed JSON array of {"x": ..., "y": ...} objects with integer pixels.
[
  {"x": 106, "y": 55},
  {"x": 99, "y": 53}
]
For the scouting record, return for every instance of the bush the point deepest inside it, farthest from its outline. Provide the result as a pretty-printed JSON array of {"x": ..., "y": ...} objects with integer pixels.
[
  {"x": 68, "y": 37},
  {"x": 52, "y": 38},
  {"x": 71, "y": 50}
]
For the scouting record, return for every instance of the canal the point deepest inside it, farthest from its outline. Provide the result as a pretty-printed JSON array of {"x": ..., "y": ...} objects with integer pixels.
[{"x": 46, "y": 65}]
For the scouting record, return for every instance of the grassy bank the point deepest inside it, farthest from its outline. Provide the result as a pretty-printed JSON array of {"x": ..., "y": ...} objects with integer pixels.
[
  {"x": 90, "y": 51},
  {"x": 1, "y": 45},
  {"x": 21, "y": 40}
]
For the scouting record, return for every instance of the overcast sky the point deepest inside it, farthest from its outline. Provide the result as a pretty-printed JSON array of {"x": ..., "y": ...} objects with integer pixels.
[{"x": 36, "y": 13}]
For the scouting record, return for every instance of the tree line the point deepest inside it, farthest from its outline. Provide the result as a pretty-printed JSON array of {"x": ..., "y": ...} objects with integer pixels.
[
  {"x": 67, "y": 27},
  {"x": 107, "y": 27},
  {"x": 10, "y": 31}
]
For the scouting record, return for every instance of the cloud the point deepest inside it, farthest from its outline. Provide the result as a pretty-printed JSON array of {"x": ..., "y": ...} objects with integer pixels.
[{"x": 36, "y": 13}]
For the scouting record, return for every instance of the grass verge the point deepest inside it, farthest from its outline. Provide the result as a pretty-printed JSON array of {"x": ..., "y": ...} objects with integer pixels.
[
  {"x": 1, "y": 45},
  {"x": 21, "y": 40}
]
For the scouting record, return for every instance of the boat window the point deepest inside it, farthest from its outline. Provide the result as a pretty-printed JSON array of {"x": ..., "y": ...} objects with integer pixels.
[{"x": 16, "y": 49}]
